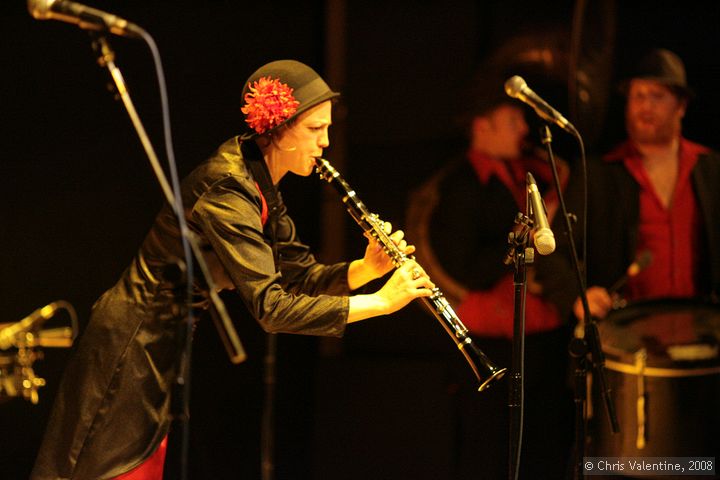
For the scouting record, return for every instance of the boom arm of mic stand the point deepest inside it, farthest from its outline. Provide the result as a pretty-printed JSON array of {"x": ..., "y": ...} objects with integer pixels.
[
  {"x": 592, "y": 336},
  {"x": 223, "y": 323}
]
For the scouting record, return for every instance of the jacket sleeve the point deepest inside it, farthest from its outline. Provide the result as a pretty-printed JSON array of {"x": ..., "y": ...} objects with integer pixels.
[
  {"x": 228, "y": 217},
  {"x": 706, "y": 177},
  {"x": 301, "y": 272}
]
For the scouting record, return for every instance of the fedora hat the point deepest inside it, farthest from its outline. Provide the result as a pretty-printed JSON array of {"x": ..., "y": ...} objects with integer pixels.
[{"x": 662, "y": 66}]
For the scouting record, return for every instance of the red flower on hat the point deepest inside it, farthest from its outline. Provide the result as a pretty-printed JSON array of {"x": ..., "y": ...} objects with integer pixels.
[{"x": 268, "y": 104}]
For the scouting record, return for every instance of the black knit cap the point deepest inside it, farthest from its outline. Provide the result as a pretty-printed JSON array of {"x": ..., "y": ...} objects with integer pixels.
[
  {"x": 309, "y": 89},
  {"x": 662, "y": 66}
]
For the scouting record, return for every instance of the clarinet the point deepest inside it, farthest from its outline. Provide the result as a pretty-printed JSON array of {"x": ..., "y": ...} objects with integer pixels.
[{"x": 484, "y": 369}]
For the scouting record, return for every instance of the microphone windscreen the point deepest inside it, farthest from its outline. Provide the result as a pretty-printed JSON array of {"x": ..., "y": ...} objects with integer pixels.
[
  {"x": 544, "y": 241},
  {"x": 514, "y": 85},
  {"x": 40, "y": 9}
]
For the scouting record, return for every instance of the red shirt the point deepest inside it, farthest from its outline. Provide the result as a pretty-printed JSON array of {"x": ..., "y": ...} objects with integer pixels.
[
  {"x": 512, "y": 174},
  {"x": 672, "y": 234}
]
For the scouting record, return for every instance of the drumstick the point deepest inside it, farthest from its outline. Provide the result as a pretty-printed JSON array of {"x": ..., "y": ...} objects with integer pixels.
[{"x": 642, "y": 261}]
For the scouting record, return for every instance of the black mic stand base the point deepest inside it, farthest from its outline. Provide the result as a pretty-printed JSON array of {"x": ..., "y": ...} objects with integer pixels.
[{"x": 578, "y": 353}]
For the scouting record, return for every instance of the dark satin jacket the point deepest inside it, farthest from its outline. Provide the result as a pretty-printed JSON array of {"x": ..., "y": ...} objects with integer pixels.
[
  {"x": 469, "y": 236},
  {"x": 614, "y": 216},
  {"x": 112, "y": 408}
]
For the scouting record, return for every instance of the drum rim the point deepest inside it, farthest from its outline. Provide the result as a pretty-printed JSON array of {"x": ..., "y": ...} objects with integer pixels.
[
  {"x": 637, "y": 309},
  {"x": 659, "y": 371}
]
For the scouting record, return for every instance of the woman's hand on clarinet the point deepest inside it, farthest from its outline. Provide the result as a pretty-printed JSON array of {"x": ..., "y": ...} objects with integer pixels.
[
  {"x": 376, "y": 262},
  {"x": 405, "y": 285}
]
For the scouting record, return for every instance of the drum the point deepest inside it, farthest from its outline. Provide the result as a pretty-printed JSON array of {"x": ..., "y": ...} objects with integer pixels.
[{"x": 662, "y": 362}]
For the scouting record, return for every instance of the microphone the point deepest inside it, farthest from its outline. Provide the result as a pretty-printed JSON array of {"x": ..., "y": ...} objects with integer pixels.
[
  {"x": 544, "y": 238},
  {"x": 517, "y": 88},
  {"x": 85, "y": 17}
]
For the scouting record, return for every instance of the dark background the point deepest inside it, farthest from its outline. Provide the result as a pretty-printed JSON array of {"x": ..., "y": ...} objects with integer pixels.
[{"x": 78, "y": 195}]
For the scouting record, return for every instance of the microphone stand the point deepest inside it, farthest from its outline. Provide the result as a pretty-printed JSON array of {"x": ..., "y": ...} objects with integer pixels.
[
  {"x": 580, "y": 347},
  {"x": 181, "y": 388},
  {"x": 519, "y": 255}
]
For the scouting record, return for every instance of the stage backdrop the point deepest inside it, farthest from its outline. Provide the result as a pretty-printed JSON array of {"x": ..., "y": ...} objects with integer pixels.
[{"x": 78, "y": 196}]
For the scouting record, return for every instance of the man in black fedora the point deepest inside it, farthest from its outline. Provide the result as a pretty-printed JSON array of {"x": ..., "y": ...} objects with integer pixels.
[{"x": 656, "y": 193}]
